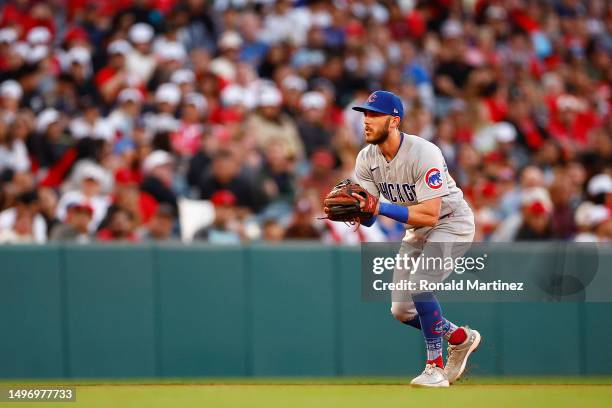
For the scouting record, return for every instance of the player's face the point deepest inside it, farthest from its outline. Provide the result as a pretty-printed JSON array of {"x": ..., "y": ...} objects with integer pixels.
[{"x": 376, "y": 127}]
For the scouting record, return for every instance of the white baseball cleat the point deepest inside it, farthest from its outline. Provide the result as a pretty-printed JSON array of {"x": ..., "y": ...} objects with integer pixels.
[
  {"x": 432, "y": 376},
  {"x": 458, "y": 354}
]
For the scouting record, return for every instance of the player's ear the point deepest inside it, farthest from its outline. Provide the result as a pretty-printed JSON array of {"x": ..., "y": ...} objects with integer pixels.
[{"x": 395, "y": 122}]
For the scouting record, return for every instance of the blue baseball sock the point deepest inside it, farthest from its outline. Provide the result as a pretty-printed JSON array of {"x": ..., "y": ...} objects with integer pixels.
[{"x": 433, "y": 325}]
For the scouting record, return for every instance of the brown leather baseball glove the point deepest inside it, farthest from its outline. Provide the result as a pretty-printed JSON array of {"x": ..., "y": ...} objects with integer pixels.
[{"x": 340, "y": 205}]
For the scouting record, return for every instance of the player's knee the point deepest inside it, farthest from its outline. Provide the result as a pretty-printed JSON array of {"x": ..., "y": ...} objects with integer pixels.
[{"x": 403, "y": 314}]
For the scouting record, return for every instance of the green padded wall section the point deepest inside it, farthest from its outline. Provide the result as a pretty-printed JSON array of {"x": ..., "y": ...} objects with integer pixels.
[
  {"x": 110, "y": 311},
  {"x": 31, "y": 312},
  {"x": 259, "y": 310},
  {"x": 292, "y": 310},
  {"x": 202, "y": 311}
]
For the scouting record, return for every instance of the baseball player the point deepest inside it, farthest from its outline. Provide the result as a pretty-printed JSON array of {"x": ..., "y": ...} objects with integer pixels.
[{"x": 411, "y": 174}]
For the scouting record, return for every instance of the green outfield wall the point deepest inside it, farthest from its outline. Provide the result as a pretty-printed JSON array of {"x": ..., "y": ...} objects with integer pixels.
[{"x": 293, "y": 310}]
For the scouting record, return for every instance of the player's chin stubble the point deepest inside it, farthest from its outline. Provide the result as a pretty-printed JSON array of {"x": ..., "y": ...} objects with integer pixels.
[{"x": 380, "y": 136}]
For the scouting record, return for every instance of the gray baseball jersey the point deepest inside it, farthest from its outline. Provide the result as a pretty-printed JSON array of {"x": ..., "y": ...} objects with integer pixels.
[{"x": 417, "y": 173}]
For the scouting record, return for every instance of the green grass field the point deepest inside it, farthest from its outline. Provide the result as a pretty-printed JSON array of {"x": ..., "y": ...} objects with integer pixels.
[{"x": 336, "y": 392}]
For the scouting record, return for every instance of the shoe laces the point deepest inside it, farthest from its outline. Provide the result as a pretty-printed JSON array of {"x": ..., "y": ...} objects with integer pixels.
[
  {"x": 449, "y": 351},
  {"x": 429, "y": 369},
  {"x": 452, "y": 347}
]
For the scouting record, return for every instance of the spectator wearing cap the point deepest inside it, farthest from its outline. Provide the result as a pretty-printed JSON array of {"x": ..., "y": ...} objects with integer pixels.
[
  {"x": 507, "y": 229},
  {"x": 38, "y": 37},
  {"x": 224, "y": 65},
  {"x": 141, "y": 62},
  {"x": 90, "y": 181},
  {"x": 23, "y": 222},
  {"x": 124, "y": 117},
  {"x": 76, "y": 36},
  {"x": 225, "y": 174},
  {"x": 10, "y": 98},
  {"x": 225, "y": 228},
  {"x": 269, "y": 123},
  {"x": 170, "y": 58},
  {"x": 311, "y": 127},
  {"x": 157, "y": 170},
  {"x": 187, "y": 138},
  {"x": 599, "y": 189},
  {"x": 79, "y": 70},
  {"x": 536, "y": 213},
  {"x": 505, "y": 138},
  {"x": 167, "y": 99},
  {"x": 292, "y": 88},
  {"x": 45, "y": 145},
  {"x": 236, "y": 101},
  {"x": 114, "y": 76},
  {"x": 185, "y": 79},
  {"x": 76, "y": 225},
  {"x": 595, "y": 223},
  {"x": 160, "y": 227}
]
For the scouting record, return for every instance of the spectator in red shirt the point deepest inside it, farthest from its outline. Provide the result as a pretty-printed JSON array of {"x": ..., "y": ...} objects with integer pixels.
[
  {"x": 186, "y": 140},
  {"x": 111, "y": 79},
  {"x": 120, "y": 227}
]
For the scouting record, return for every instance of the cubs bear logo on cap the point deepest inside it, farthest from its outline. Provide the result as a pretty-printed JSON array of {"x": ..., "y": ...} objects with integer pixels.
[{"x": 383, "y": 102}]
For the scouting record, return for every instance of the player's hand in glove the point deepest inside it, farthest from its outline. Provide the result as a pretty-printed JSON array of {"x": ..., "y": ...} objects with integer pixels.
[{"x": 349, "y": 202}]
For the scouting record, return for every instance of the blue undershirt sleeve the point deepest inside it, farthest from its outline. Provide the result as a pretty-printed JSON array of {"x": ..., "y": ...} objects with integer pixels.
[{"x": 394, "y": 211}]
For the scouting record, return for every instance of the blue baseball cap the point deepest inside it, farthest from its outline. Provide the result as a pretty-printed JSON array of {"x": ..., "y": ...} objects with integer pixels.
[{"x": 383, "y": 102}]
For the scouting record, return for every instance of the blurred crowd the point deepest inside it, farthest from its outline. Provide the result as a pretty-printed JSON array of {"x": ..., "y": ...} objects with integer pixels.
[{"x": 118, "y": 116}]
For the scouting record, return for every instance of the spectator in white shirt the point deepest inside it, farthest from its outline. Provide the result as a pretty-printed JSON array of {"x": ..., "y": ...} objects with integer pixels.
[{"x": 23, "y": 222}]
